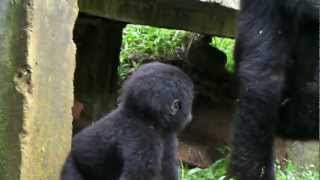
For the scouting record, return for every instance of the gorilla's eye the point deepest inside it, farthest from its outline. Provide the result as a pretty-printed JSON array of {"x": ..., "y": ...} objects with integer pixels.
[{"x": 175, "y": 107}]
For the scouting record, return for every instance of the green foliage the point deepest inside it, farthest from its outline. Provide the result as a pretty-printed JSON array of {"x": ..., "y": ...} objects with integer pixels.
[
  {"x": 150, "y": 40},
  {"x": 160, "y": 42},
  {"x": 292, "y": 172},
  {"x": 226, "y": 45},
  {"x": 217, "y": 171},
  {"x": 147, "y": 40}
]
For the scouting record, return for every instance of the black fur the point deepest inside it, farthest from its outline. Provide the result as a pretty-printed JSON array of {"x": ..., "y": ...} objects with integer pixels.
[
  {"x": 277, "y": 56},
  {"x": 137, "y": 141}
]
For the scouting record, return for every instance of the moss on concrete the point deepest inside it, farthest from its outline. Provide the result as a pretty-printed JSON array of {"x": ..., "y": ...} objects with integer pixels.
[
  {"x": 36, "y": 87},
  {"x": 11, "y": 105}
]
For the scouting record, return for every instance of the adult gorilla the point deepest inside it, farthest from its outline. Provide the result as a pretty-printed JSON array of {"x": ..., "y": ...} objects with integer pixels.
[{"x": 277, "y": 56}]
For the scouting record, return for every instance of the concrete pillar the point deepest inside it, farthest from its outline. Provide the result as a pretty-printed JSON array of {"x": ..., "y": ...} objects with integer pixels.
[{"x": 37, "y": 60}]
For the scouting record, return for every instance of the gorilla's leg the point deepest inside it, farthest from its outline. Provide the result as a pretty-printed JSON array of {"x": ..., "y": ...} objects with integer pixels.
[{"x": 262, "y": 74}]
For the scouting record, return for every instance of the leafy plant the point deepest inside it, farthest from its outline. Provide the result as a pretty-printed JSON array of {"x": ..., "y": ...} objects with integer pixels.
[
  {"x": 160, "y": 42},
  {"x": 217, "y": 171},
  {"x": 147, "y": 40},
  {"x": 226, "y": 45}
]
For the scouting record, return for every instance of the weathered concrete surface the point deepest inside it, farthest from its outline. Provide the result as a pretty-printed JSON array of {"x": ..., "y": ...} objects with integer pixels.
[
  {"x": 98, "y": 43},
  {"x": 11, "y": 103},
  {"x": 216, "y": 17},
  {"x": 305, "y": 154},
  {"x": 36, "y": 82},
  {"x": 235, "y": 4}
]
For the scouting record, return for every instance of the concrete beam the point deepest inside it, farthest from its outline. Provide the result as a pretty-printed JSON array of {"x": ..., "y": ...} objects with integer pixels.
[
  {"x": 235, "y": 4},
  {"x": 37, "y": 58},
  {"x": 203, "y": 16}
]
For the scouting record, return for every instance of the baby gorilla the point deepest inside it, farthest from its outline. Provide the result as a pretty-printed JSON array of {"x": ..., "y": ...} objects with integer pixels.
[{"x": 137, "y": 141}]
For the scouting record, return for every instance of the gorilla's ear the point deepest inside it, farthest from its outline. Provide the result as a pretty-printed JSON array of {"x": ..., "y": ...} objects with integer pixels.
[{"x": 175, "y": 107}]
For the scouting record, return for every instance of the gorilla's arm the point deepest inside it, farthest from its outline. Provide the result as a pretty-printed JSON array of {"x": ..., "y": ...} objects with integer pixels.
[
  {"x": 142, "y": 159},
  {"x": 90, "y": 148},
  {"x": 169, "y": 160},
  {"x": 70, "y": 170}
]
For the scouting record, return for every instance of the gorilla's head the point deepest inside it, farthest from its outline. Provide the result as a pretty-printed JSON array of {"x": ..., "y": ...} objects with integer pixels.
[{"x": 160, "y": 93}]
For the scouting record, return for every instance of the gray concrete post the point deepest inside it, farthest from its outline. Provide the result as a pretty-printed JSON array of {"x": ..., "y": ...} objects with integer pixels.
[{"x": 37, "y": 59}]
